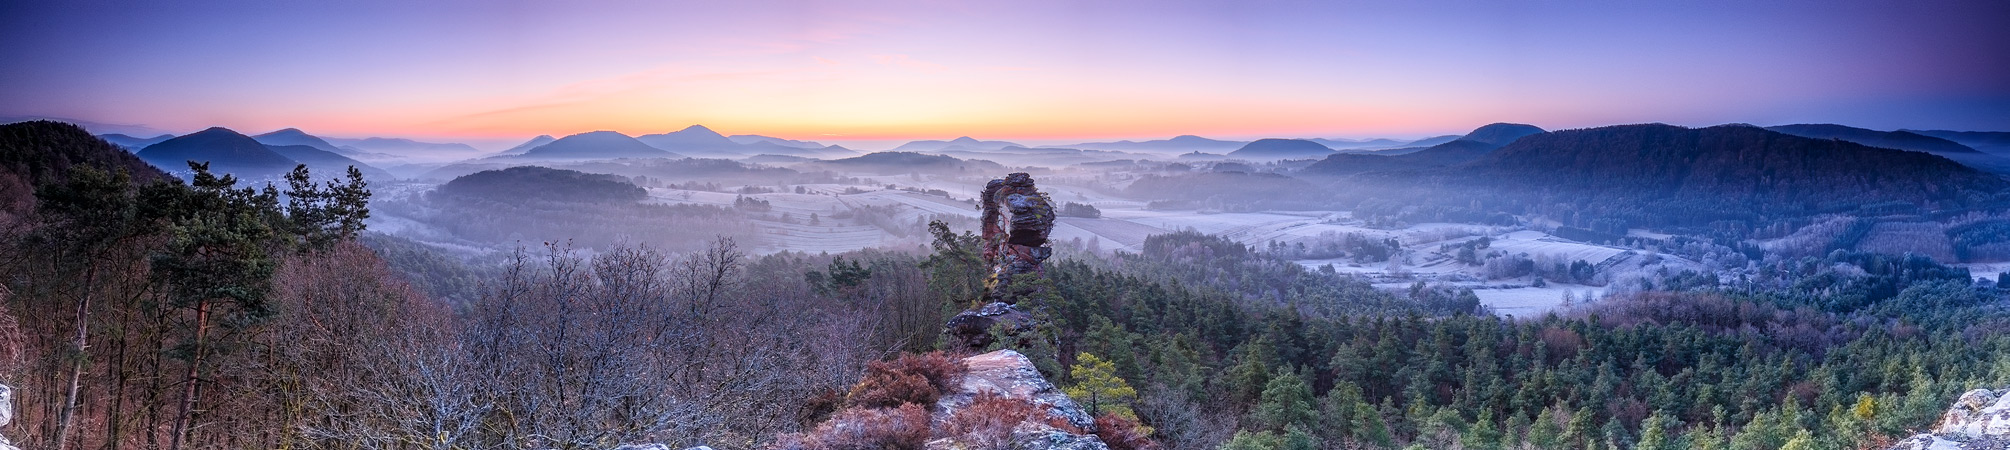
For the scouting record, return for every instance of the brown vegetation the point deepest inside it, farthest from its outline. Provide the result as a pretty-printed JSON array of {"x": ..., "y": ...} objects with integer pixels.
[{"x": 910, "y": 379}]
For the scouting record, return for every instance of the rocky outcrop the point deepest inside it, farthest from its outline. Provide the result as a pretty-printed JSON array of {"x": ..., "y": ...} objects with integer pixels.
[
  {"x": 1014, "y": 244},
  {"x": 1011, "y": 376},
  {"x": 6, "y": 415},
  {"x": 992, "y": 401},
  {"x": 1979, "y": 420},
  {"x": 972, "y": 329}
]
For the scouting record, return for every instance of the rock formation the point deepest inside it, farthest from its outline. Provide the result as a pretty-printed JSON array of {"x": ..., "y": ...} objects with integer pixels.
[
  {"x": 936, "y": 401},
  {"x": 1017, "y": 244},
  {"x": 1009, "y": 375},
  {"x": 6, "y": 415},
  {"x": 1017, "y": 219},
  {"x": 1979, "y": 420},
  {"x": 972, "y": 329}
]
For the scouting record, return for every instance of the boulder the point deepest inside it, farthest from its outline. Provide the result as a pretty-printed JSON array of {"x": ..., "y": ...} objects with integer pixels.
[
  {"x": 1979, "y": 420},
  {"x": 972, "y": 329},
  {"x": 1009, "y": 374},
  {"x": 6, "y": 415}
]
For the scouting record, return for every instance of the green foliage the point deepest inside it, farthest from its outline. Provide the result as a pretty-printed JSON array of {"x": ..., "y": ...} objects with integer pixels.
[
  {"x": 956, "y": 268},
  {"x": 325, "y": 214},
  {"x": 1209, "y": 322},
  {"x": 1098, "y": 388},
  {"x": 1287, "y": 402}
]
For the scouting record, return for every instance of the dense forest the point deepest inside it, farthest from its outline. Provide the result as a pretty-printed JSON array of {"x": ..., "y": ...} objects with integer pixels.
[{"x": 146, "y": 312}]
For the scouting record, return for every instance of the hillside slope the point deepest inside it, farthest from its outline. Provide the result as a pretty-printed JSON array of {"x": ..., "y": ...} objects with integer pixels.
[
  {"x": 226, "y": 151},
  {"x": 1765, "y": 169}
]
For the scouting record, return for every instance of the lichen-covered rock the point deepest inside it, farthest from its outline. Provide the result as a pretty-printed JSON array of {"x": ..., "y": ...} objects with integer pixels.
[
  {"x": 1015, "y": 244},
  {"x": 1009, "y": 374},
  {"x": 1979, "y": 420},
  {"x": 972, "y": 329},
  {"x": 6, "y": 415},
  {"x": 1028, "y": 436}
]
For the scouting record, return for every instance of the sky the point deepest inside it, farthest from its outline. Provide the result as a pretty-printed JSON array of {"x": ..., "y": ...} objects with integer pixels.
[{"x": 1033, "y": 71}]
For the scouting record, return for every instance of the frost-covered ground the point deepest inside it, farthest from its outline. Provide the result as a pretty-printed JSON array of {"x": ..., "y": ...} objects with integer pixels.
[
  {"x": 872, "y": 216},
  {"x": 1987, "y": 270},
  {"x": 1525, "y": 301}
]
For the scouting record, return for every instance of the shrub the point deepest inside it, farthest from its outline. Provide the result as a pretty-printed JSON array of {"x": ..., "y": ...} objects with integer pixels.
[
  {"x": 916, "y": 379},
  {"x": 988, "y": 422},
  {"x": 902, "y": 428},
  {"x": 1123, "y": 434}
]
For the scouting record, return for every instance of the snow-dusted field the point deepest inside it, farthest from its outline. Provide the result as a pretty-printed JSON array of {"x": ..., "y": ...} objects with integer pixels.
[
  {"x": 1988, "y": 270},
  {"x": 1538, "y": 243},
  {"x": 1528, "y": 301}
]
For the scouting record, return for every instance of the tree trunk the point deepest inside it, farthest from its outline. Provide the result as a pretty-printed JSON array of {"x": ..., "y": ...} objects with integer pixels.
[
  {"x": 189, "y": 391},
  {"x": 77, "y": 360}
]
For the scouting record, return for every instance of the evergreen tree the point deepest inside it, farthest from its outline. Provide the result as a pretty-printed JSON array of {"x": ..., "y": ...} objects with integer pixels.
[
  {"x": 1098, "y": 388},
  {"x": 1369, "y": 427},
  {"x": 1545, "y": 433},
  {"x": 1654, "y": 434},
  {"x": 1286, "y": 401}
]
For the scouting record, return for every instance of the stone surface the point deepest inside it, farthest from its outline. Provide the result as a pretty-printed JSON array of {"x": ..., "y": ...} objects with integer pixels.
[
  {"x": 972, "y": 329},
  {"x": 6, "y": 415},
  {"x": 1979, "y": 420},
  {"x": 1009, "y": 374},
  {"x": 1014, "y": 244}
]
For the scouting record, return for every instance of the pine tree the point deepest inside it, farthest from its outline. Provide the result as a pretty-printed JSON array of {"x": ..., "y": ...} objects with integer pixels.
[
  {"x": 1802, "y": 440},
  {"x": 1286, "y": 401},
  {"x": 1654, "y": 434},
  {"x": 1369, "y": 427},
  {"x": 1545, "y": 433},
  {"x": 1483, "y": 435},
  {"x": 215, "y": 265},
  {"x": 1098, "y": 388}
]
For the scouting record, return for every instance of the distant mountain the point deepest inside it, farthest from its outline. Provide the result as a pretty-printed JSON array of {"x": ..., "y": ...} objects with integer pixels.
[
  {"x": 753, "y": 138},
  {"x": 700, "y": 142},
  {"x": 1435, "y": 140},
  {"x": 226, "y": 151},
  {"x": 293, "y": 136},
  {"x": 695, "y": 139},
  {"x": 520, "y": 184},
  {"x": 1986, "y": 141},
  {"x": 94, "y": 127},
  {"x": 1274, "y": 149},
  {"x": 40, "y": 153},
  {"x": 323, "y": 164},
  {"x": 1902, "y": 140},
  {"x": 134, "y": 144},
  {"x": 1178, "y": 144},
  {"x": 961, "y": 143},
  {"x": 1500, "y": 134},
  {"x": 907, "y": 162},
  {"x": 530, "y": 144},
  {"x": 775, "y": 159},
  {"x": 1348, "y": 144},
  {"x": 405, "y": 148},
  {"x": 1723, "y": 168},
  {"x": 595, "y": 145},
  {"x": 1471, "y": 146}
]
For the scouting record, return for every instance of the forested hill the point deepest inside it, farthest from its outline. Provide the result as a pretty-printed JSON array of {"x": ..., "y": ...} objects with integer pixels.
[
  {"x": 517, "y": 184},
  {"x": 1728, "y": 163},
  {"x": 226, "y": 151},
  {"x": 39, "y": 153}
]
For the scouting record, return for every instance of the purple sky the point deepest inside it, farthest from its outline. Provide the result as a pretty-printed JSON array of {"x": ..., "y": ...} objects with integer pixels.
[{"x": 1034, "y": 71}]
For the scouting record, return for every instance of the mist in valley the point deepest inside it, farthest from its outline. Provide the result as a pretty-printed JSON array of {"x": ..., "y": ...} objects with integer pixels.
[{"x": 371, "y": 225}]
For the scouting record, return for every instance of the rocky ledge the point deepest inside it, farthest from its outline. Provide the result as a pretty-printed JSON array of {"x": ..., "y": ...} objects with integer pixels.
[
  {"x": 1009, "y": 375},
  {"x": 1979, "y": 420}
]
